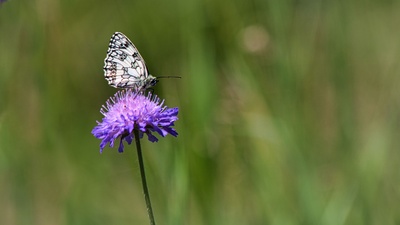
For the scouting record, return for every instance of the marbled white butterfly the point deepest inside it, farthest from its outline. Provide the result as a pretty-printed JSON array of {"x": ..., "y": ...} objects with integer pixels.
[{"x": 124, "y": 67}]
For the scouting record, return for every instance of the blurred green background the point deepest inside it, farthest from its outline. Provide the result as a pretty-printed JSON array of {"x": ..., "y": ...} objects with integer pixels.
[{"x": 289, "y": 112}]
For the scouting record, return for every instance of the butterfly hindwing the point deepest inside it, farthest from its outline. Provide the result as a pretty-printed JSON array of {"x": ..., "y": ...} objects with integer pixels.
[{"x": 124, "y": 67}]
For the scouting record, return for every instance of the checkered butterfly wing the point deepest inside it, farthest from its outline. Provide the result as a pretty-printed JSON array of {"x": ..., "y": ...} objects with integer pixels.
[{"x": 124, "y": 66}]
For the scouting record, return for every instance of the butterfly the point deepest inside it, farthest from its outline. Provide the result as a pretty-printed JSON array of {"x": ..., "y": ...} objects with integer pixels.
[{"x": 124, "y": 67}]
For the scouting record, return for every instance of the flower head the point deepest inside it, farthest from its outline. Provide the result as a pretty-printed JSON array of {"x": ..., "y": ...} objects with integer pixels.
[{"x": 128, "y": 110}]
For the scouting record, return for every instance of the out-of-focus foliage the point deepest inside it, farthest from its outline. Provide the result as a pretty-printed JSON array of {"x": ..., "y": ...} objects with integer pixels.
[{"x": 289, "y": 112}]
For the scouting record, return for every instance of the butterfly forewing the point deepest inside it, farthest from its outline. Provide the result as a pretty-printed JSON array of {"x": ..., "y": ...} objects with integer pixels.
[{"x": 124, "y": 67}]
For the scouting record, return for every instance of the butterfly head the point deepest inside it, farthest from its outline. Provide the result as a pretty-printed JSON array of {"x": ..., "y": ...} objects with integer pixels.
[{"x": 150, "y": 81}]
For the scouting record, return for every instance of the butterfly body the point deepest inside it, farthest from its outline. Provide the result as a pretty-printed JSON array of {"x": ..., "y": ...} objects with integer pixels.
[{"x": 124, "y": 67}]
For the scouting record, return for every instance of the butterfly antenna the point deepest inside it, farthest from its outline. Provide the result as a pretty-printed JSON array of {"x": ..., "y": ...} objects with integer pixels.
[{"x": 169, "y": 77}]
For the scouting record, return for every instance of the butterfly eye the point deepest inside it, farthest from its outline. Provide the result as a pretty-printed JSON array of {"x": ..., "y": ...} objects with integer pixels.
[{"x": 154, "y": 82}]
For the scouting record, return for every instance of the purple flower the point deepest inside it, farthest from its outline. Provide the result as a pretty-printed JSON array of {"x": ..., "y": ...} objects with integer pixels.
[{"x": 126, "y": 111}]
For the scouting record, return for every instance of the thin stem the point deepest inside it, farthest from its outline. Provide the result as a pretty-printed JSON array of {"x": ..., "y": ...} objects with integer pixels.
[{"x": 143, "y": 175}]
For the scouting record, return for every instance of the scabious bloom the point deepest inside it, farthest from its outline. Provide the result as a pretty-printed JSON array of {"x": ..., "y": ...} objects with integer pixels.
[{"x": 128, "y": 110}]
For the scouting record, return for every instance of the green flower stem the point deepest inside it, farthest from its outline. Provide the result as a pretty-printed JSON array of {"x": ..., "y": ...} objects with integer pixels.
[{"x": 143, "y": 175}]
